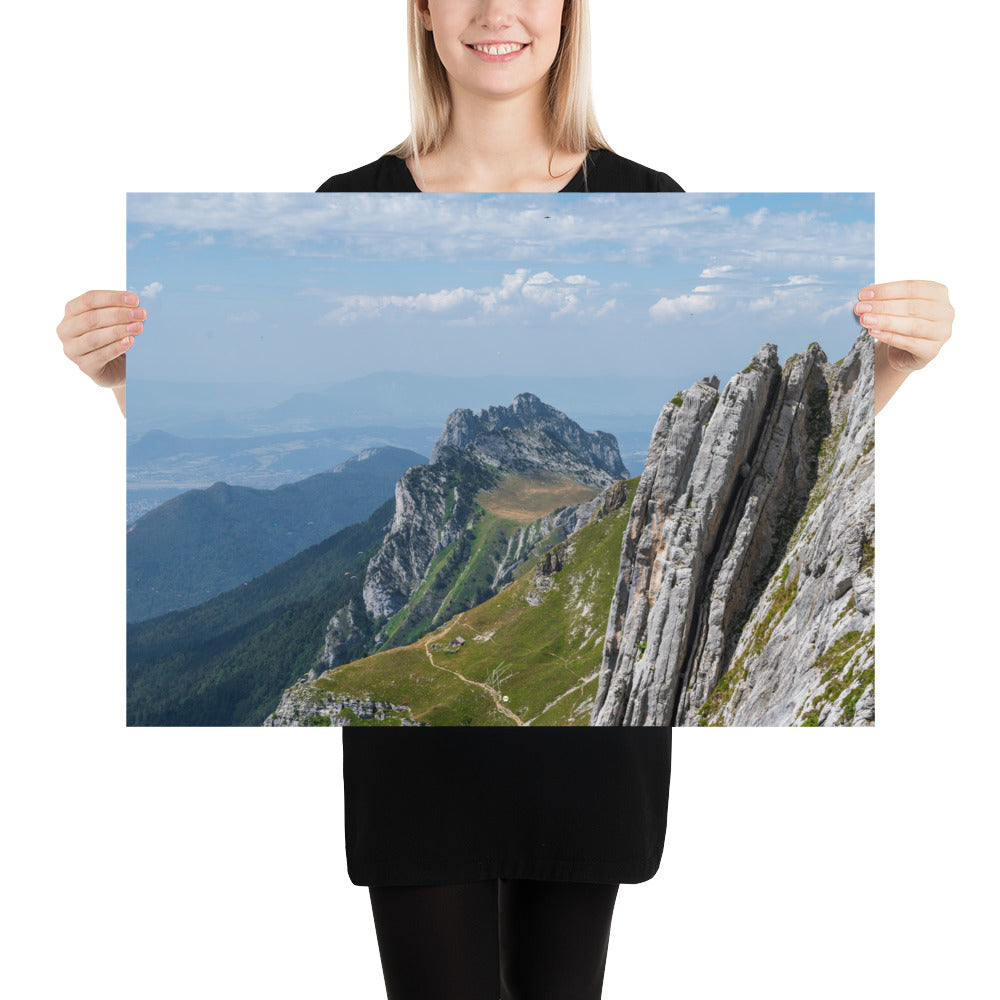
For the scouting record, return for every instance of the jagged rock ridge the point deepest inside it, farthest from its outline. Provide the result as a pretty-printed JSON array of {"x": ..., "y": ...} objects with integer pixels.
[
  {"x": 750, "y": 546},
  {"x": 435, "y": 503},
  {"x": 530, "y": 435}
]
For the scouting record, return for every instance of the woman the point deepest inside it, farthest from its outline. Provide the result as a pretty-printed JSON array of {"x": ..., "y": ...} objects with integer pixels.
[{"x": 493, "y": 856}]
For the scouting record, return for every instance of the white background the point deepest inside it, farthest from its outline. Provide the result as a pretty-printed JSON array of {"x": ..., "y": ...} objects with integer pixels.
[{"x": 143, "y": 863}]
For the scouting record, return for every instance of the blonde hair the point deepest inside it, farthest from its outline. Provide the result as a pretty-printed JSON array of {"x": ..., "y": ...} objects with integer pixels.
[{"x": 572, "y": 123}]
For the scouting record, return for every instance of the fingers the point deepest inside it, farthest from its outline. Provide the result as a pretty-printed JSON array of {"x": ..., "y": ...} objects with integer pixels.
[
  {"x": 83, "y": 332},
  {"x": 919, "y": 336},
  {"x": 905, "y": 290},
  {"x": 93, "y": 330},
  {"x": 910, "y": 326},
  {"x": 82, "y": 347},
  {"x": 917, "y": 346},
  {"x": 97, "y": 329},
  {"x": 98, "y": 300},
  {"x": 914, "y": 316},
  {"x": 926, "y": 309}
]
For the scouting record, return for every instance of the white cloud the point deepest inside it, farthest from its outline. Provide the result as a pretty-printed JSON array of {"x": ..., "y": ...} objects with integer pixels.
[
  {"x": 447, "y": 298},
  {"x": 517, "y": 289},
  {"x": 542, "y": 278},
  {"x": 514, "y": 228},
  {"x": 800, "y": 279},
  {"x": 800, "y": 294},
  {"x": 151, "y": 290},
  {"x": 847, "y": 306},
  {"x": 707, "y": 288},
  {"x": 355, "y": 307},
  {"x": 513, "y": 282},
  {"x": 668, "y": 309},
  {"x": 250, "y": 316}
]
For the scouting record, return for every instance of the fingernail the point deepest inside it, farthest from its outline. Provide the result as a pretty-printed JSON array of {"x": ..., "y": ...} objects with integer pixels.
[
  {"x": 134, "y": 327},
  {"x": 866, "y": 293},
  {"x": 127, "y": 342},
  {"x": 864, "y": 307},
  {"x": 130, "y": 300}
]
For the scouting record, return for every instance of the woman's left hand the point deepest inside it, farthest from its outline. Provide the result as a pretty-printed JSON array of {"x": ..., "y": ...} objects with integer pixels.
[{"x": 912, "y": 318}]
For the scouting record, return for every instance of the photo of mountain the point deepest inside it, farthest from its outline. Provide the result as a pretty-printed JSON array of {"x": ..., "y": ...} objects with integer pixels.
[{"x": 599, "y": 534}]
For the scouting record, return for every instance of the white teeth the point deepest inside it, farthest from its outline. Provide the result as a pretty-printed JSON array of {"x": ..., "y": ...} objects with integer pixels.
[{"x": 499, "y": 50}]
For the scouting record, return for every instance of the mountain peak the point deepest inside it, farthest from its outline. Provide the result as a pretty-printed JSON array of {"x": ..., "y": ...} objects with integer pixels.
[
  {"x": 528, "y": 401},
  {"x": 530, "y": 435}
]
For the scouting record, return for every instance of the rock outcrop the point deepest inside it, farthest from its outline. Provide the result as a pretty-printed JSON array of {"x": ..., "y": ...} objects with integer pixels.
[
  {"x": 434, "y": 506},
  {"x": 435, "y": 503},
  {"x": 551, "y": 528},
  {"x": 346, "y": 631},
  {"x": 745, "y": 593},
  {"x": 528, "y": 436},
  {"x": 304, "y": 705}
]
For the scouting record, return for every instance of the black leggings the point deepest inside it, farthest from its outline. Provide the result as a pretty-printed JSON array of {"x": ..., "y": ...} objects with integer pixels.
[{"x": 513, "y": 939}]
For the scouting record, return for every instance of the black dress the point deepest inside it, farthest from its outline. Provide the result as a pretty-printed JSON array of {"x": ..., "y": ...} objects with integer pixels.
[{"x": 453, "y": 804}]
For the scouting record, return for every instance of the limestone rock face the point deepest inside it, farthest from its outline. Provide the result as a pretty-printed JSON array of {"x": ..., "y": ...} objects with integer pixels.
[
  {"x": 529, "y": 436},
  {"x": 432, "y": 509},
  {"x": 346, "y": 629},
  {"x": 302, "y": 704},
  {"x": 745, "y": 593},
  {"x": 556, "y": 526}
]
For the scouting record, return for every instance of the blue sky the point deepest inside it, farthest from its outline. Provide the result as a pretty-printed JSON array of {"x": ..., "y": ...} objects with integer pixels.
[{"x": 320, "y": 288}]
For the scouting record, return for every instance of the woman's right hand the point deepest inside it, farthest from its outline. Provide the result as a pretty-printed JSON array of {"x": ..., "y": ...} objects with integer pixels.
[{"x": 96, "y": 331}]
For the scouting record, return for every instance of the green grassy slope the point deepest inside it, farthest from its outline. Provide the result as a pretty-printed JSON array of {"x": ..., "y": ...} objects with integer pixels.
[
  {"x": 542, "y": 655},
  {"x": 461, "y": 575}
]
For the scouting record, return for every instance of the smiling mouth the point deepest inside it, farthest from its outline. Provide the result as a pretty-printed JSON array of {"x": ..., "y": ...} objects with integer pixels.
[{"x": 501, "y": 49}]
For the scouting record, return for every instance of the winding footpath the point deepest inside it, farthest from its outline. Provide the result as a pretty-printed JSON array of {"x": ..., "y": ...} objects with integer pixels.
[{"x": 491, "y": 691}]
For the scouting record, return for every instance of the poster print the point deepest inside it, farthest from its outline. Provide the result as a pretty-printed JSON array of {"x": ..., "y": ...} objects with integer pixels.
[{"x": 501, "y": 460}]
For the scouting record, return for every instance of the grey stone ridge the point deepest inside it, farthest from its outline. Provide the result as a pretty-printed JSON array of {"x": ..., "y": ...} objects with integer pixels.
[{"x": 750, "y": 545}]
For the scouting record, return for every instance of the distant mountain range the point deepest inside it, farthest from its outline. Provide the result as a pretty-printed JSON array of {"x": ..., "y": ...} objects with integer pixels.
[
  {"x": 159, "y": 460},
  {"x": 398, "y": 399},
  {"x": 206, "y": 541}
]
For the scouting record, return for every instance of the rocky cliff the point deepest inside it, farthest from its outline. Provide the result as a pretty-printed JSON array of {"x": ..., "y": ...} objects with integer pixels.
[
  {"x": 745, "y": 593},
  {"x": 550, "y": 529},
  {"x": 436, "y": 503},
  {"x": 530, "y": 435},
  {"x": 304, "y": 705},
  {"x": 434, "y": 507}
]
